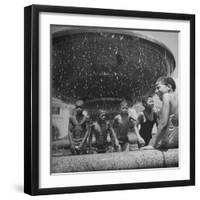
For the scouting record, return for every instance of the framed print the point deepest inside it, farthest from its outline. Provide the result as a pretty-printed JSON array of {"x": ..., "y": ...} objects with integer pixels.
[{"x": 109, "y": 99}]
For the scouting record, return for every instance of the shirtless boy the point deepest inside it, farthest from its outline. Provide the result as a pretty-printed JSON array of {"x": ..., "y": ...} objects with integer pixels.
[
  {"x": 78, "y": 129},
  {"x": 125, "y": 124},
  {"x": 100, "y": 130},
  {"x": 167, "y": 134}
]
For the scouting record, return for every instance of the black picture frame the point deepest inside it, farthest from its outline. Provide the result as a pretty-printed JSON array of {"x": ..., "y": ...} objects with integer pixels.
[{"x": 31, "y": 98}]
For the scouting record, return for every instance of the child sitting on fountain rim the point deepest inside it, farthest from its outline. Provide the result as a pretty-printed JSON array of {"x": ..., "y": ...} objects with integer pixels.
[{"x": 167, "y": 133}]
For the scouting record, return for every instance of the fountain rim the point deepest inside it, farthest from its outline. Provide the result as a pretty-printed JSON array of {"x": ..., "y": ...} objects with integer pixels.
[
  {"x": 70, "y": 31},
  {"x": 111, "y": 99}
]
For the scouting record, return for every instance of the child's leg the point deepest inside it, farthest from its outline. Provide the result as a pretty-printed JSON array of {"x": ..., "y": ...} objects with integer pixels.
[{"x": 173, "y": 138}]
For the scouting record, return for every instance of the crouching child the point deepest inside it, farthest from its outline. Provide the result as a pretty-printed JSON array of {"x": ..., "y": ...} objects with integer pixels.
[
  {"x": 100, "y": 132},
  {"x": 125, "y": 126}
]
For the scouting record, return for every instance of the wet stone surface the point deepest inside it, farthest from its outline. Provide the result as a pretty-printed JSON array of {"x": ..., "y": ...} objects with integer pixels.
[{"x": 116, "y": 161}]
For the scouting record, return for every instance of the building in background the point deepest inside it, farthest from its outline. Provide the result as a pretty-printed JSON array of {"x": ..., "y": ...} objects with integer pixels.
[{"x": 60, "y": 118}]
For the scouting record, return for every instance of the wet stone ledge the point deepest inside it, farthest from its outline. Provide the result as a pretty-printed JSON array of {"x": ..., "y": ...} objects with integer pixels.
[{"x": 116, "y": 161}]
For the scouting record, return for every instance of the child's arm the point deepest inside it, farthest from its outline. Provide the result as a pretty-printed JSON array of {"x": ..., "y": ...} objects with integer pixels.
[
  {"x": 115, "y": 122},
  {"x": 113, "y": 137},
  {"x": 91, "y": 133},
  {"x": 86, "y": 136},
  {"x": 140, "y": 139},
  {"x": 134, "y": 127},
  {"x": 87, "y": 133},
  {"x": 156, "y": 117},
  {"x": 164, "y": 117},
  {"x": 140, "y": 119},
  {"x": 70, "y": 133}
]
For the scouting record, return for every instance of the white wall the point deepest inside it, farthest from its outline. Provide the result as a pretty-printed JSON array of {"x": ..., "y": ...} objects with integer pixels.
[{"x": 11, "y": 101}]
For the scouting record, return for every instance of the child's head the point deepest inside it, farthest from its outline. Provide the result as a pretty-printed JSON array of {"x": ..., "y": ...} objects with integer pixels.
[
  {"x": 79, "y": 106},
  {"x": 148, "y": 102},
  {"x": 165, "y": 84},
  {"x": 124, "y": 107},
  {"x": 102, "y": 115}
]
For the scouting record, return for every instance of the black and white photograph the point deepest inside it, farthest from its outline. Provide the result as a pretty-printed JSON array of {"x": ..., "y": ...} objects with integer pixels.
[
  {"x": 109, "y": 100},
  {"x": 114, "y": 99}
]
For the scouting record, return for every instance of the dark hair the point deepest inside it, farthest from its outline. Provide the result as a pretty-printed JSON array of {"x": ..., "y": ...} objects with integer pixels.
[
  {"x": 145, "y": 98},
  {"x": 167, "y": 80}
]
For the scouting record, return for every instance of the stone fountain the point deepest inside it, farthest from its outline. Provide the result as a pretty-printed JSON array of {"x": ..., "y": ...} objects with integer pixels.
[{"x": 103, "y": 66}]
